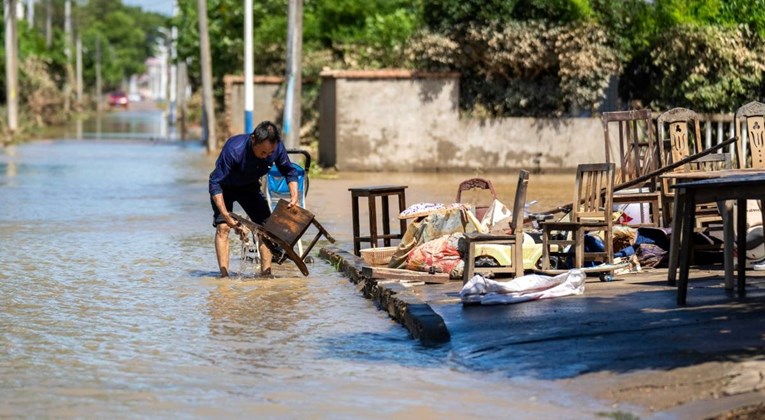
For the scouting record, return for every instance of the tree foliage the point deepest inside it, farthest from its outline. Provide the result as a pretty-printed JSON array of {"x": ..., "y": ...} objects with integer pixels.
[{"x": 707, "y": 68}]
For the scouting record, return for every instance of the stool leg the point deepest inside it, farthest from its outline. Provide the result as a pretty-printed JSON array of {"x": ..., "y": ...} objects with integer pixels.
[
  {"x": 373, "y": 221},
  {"x": 385, "y": 220},
  {"x": 402, "y": 207},
  {"x": 356, "y": 230}
]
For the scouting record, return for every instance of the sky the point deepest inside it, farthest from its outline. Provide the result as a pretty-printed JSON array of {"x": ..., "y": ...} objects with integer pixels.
[{"x": 164, "y": 7}]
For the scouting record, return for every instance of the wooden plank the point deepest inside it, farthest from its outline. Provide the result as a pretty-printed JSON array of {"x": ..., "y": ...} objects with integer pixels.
[
  {"x": 597, "y": 269},
  {"x": 395, "y": 273}
]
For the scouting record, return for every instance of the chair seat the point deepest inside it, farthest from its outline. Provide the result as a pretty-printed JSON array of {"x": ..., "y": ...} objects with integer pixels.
[
  {"x": 626, "y": 196},
  {"x": 489, "y": 237},
  {"x": 574, "y": 225}
]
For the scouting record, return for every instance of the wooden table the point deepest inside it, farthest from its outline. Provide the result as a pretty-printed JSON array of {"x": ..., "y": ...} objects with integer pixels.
[
  {"x": 726, "y": 211},
  {"x": 719, "y": 187}
]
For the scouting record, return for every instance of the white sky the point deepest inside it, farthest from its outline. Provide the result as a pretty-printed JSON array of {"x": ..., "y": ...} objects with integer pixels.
[{"x": 164, "y": 7}]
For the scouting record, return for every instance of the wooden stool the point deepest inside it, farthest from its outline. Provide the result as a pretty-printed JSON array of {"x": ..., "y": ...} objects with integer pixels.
[{"x": 383, "y": 191}]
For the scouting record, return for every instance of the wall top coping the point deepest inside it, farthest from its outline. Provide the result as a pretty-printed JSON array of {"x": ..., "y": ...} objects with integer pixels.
[
  {"x": 386, "y": 74},
  {"x": 259, "y": 79}
]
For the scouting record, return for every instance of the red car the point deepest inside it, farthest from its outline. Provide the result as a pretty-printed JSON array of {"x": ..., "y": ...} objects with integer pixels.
[{"x": 117, "y": 99}]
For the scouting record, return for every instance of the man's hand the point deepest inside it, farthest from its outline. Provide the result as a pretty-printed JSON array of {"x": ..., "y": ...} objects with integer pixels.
[{"x": 237, "y": 226}]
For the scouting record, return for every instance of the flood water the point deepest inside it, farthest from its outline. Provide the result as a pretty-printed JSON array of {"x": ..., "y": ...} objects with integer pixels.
[{"x": 111, "y": 304}]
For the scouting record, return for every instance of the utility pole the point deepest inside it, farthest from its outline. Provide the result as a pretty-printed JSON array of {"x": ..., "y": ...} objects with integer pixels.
[
  {"x": 181, "y": 95},
  {"x": 11, "y": 63},
  {"x": 68, "y": 54},
  {"x": 48, "y": 23},
  {"x": 31, "y": 14},
  {"x": 98, "y": 73},
  {"x": 249, "y": 90},
  {"x": 173, "y": 77},
  {"x": 291, "y": 126},
  {"x": 79, "y": 71},
  {"x": 206, "y": 66}
]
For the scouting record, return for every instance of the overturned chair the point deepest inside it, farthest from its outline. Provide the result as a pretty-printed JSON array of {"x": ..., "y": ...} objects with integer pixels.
[
  {"x": 468, "y": 243},
  {"x": 285, "y": 227}
]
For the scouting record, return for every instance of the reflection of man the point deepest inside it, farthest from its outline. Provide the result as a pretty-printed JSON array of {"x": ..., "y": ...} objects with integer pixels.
[{"x": 243, "y": 160}]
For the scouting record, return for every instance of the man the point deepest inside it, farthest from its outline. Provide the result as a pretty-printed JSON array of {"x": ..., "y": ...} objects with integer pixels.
[{"x": 244, "y": 159}]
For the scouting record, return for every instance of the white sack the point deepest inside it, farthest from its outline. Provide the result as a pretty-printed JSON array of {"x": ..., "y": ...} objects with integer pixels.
[{"x": 522, "y": 289}]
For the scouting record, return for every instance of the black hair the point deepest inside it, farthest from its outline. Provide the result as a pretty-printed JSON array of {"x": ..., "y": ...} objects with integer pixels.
[{"x": 265, "y": 131}]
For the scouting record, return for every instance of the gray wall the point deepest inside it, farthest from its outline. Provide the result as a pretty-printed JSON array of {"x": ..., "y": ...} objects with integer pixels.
[
  {"x": 267, "y": 103},
  {"x": 403, "y": 121}
]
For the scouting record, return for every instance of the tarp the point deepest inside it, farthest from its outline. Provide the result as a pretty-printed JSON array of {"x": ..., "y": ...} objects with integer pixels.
[{"x": 522, "y": 289}]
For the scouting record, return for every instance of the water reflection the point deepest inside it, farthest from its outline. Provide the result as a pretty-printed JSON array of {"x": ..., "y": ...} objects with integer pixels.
[{"x": 143, "y": 122}]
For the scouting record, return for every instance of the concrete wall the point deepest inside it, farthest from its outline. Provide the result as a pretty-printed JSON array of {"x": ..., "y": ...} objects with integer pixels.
[
  {"x": 267, "y": 104},
  {"x": 404, "y": 121}
]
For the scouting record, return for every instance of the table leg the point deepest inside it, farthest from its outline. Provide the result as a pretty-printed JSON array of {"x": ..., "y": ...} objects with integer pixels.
[
  {"x": 674, "y": 246},
  {"x": 373, "y": 220},
  {"x": 689, "y": 216},
  {"x": 741, "y": 243},
  {"x": 726, "y": 210}
]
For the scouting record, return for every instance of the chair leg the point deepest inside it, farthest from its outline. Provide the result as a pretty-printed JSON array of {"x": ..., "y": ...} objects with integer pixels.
[
  {"x": 579, "y": 248},
  {"x": 469, "y": 262},
  {"x": 545, "y": 249},
  {"x": 518, "y": 256}
]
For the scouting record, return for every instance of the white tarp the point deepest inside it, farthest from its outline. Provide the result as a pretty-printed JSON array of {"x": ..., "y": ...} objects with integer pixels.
[{"x": 522, "y": 289}]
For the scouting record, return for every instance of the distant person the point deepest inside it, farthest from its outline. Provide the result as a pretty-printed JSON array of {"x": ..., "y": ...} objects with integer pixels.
[{"x": 244, "y": 159}]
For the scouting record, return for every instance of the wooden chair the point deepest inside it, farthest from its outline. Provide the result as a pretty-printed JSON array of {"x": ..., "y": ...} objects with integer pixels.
[
  {"x": 515, "y": 240},
  {"x": 750, "y": 149},
  {"x": 591, "y": 212},
  {"x": 751, "y": 153},
  {"x": 683, "y": 138},
  {"x": 636, "y": 153},
  {"x": 477, "y": 184}
]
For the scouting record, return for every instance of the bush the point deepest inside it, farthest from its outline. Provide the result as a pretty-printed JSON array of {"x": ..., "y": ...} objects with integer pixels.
[
  {"x": 709, "y": 69},
  {"x": 524, "y": 68}
]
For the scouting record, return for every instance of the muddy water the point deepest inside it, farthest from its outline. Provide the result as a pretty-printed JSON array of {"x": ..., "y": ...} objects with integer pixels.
[{"x": 110, "y": 303}]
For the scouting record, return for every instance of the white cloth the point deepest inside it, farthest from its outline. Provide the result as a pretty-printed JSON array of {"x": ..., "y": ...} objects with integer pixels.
[
  {"x": 497, "y": 217},
  {"x": 522, "y": 289}
]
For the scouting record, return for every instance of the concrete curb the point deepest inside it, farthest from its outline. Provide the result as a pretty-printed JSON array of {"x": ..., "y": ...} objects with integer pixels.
[{"x": 400, "y": 303}]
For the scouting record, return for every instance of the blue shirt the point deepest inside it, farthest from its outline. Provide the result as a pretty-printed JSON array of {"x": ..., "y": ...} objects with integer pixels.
[{"x": 238, "y": 167}]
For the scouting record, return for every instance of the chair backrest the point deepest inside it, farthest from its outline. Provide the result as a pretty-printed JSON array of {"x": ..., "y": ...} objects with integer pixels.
[
  {"x": 753, "y": 115},
  {"x": 519, "y": 205},
  {"x": 683, "y": 136},
  {"x": 478, "y": 184},
  {"x": 593, "y": 192},
  {"x": 635, "y": 150}
]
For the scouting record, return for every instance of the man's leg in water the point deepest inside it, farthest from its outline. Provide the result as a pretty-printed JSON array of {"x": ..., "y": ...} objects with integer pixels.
[
  {"x": 221, "y": 247},
  {"x": 265, "y": 257},
  {"x": 255, "y": 205}
]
